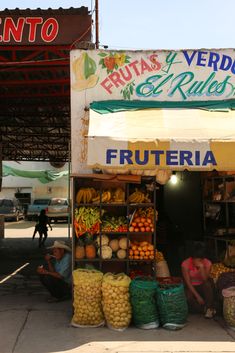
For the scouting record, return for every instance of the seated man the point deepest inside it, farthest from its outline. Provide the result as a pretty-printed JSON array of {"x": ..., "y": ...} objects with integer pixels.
[
  {"x": 199, "y": 287},
  {"x": 56, "y": 274}
]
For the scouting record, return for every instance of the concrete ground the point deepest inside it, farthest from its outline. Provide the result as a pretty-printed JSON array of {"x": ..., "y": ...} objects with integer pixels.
[
  {"x": 24, "y": 229},
  {"x": 31, "y": 325}
]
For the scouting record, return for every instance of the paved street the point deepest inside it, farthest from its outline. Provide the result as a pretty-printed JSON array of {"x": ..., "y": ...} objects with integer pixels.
[
  {"x": 31, "y": 325},
  {"x": 24, "y": 229},
  {"x": 17, "y": 248}
]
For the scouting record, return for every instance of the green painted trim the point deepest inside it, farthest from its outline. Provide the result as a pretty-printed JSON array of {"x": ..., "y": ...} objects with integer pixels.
[{"x": 114, "y": 106}]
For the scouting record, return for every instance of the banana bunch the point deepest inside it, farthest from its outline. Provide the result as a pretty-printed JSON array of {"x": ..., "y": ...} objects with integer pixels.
[
  {"x": 137, "y": 197},
  {"x": 85, "y": 195},
  {"x": 106, "y": 196},
  {"x": 118, "y": 195}
]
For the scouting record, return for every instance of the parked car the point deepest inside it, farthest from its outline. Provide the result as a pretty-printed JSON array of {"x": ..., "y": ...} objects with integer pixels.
[
  {"x": 11, "y": 209},
  {"x": 58, "y": 209},
  {"x": 35, "y": 208}
]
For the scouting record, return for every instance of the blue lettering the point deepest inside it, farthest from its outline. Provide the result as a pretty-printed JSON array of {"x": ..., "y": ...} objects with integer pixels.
[
  {"x": 209, "y": 158},
  {"x": 197, "y": 158},
  {"x": 201, "y": 59},
  {"x": 188, "y": 58},
  {"x": 225, "y": 65},
  {"x": 137, "y": 157},
  {"x": 172, "y": 157},
  {"x": 213, "y": 60},
  {"x": 109, "y": 155},
  {"x": 185, "y": 157},
  {"x": 125, "y": 155},
  {"x": 233, "y": 68},
  {"x": 157, "y": 156}
]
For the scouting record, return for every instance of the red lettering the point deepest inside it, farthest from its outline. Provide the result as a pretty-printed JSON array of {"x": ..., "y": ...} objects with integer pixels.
[
  {"x": 50, "y": 29},
  {"x": 145, "y": 67},
  {"x": 11, "y": 29},
  {"x": 106, "y": 84},
  {"x": 116, "y": 79},
  {"x": 133, "y": 65},
  {"x": 156, "y": 65},
  {"x": 126, "y": 76},
  {"x": 33, "y": 22}
]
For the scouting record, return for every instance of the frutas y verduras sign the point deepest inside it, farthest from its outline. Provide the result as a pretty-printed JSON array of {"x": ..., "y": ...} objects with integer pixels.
[
  {"x": 41, "y": 30},
  {"x": 155, "y": 75},
  {"x": 167, "y": 75}
]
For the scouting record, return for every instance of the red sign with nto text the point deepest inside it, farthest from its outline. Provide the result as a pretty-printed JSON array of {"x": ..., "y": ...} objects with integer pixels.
[{"x": 41, "y": 30}]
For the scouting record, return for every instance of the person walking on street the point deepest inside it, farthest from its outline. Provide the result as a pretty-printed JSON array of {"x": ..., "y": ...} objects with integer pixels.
[{"x": 43, "y": 222}]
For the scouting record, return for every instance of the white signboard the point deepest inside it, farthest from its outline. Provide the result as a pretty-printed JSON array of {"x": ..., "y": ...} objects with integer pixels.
[{"x": 180, "y": 76}]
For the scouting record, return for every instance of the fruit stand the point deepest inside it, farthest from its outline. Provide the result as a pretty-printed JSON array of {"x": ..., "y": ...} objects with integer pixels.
[{"x": 114, "y": 223}]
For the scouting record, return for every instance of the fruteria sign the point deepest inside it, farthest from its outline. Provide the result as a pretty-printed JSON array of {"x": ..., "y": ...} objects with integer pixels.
[
  {"x": 185, "y": 75},
  {"x": 42, "y": 30},
  {"x": 164, "y": 76}
]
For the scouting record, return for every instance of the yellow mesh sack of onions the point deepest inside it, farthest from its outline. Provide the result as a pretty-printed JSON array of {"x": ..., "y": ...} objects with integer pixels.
[
  {"x": 87, "y": 301},
  {"x": 116, "y": 300}
]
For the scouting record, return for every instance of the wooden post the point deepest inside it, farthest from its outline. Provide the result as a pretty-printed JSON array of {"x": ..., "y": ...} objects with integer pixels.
[{"x": 97, "y": 24}]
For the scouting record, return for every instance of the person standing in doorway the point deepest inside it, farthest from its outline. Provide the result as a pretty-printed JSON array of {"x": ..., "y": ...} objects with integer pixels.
[{"x": 43, "y": 222}]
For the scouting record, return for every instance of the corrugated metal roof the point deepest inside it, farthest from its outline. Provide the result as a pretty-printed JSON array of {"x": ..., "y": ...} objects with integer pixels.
[{"x": 60, "y": 11}]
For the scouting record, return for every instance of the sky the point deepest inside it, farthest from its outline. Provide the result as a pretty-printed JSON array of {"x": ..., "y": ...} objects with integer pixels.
[{"x": 154, "y": 24}]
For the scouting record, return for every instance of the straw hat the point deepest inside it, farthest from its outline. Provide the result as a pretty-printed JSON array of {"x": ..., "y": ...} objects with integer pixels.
[{"x": 60, "y": 245}]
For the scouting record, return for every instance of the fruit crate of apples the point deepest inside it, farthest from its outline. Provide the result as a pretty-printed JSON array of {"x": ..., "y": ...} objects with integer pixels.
[{"x": 142, "y": 220}]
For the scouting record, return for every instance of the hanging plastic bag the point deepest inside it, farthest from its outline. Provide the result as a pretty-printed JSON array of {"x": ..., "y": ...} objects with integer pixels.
[
  {"x": 162, "y": 269},
  {"x": 87, "y": 298},
  {"x": 143, "y": 293}
]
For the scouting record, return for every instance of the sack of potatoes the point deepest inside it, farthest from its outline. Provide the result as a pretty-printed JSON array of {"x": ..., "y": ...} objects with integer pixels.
[
  {"x": 116, "y": 301},
  {"x": 87, "y": 298}
]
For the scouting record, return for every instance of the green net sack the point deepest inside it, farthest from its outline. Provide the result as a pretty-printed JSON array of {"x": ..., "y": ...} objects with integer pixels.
[
  {"x": 87, "y": 294},
  {"x": 172, "y": 306},
  {"x": 143, "y": 294}
]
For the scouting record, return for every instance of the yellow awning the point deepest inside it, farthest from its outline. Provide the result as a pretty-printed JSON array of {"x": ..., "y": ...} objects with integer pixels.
[{"x": 177, "y": 139}]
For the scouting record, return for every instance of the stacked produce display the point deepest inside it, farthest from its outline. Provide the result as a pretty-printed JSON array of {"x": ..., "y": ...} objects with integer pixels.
[
  {"x": 115, "y": 225},
  {"x": 115, "y": 222}
]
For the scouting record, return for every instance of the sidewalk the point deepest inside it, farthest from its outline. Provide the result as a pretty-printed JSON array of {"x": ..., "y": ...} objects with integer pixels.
[{"x": 31, "y": 325}]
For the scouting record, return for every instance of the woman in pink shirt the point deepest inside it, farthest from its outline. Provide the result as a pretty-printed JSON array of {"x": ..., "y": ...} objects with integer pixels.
[{"x": 199, "y": 287}]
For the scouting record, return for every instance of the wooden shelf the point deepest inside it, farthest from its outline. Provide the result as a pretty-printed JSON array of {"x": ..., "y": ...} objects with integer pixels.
[
  {"x": 114, "y": 204},
  {"x": 222, "y": 186},
  {"x": 125, "y": 209},
  {"x": 220, "y": 201}
]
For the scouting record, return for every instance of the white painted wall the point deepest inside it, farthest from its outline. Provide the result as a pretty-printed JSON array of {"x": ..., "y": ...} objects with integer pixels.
[{"x": 11, "y": 184}]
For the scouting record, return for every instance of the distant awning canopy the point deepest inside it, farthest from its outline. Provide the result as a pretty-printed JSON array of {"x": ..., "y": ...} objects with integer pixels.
[
  {"x": 44, "y": 176},
  {"x": 176, "y": 139}
]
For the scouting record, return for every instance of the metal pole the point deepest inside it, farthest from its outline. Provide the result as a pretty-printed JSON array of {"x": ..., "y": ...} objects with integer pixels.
[
  {"x": 97, "y": 24},
  {"x": 69, "y": 198}
]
